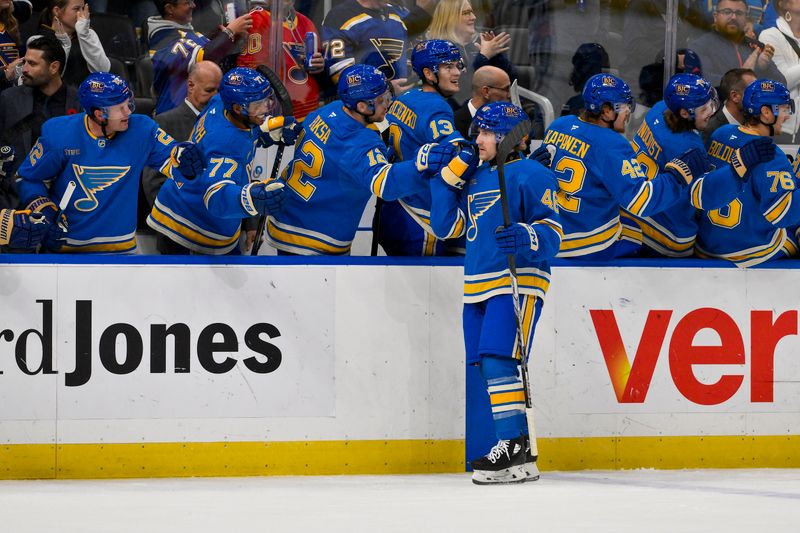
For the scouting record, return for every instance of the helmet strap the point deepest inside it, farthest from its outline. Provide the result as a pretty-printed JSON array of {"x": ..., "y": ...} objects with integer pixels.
[
  {"x": 770, "y": 125},
  {"x": 102, "y": 124}
]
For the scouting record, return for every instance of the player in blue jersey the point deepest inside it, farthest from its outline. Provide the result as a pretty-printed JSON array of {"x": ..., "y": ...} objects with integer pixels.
[
  {"x": 490, "y": 325},
  {"x": 339, "y": 163},
  {"x": 102, "y": 150},
  {"x": 669, "y": 130},
  {"x": 205, "y": 216},
  {"x": 418, "y": 117},
  {"x": 598, "y": 173},
  {"x": 759, "y": 224}
]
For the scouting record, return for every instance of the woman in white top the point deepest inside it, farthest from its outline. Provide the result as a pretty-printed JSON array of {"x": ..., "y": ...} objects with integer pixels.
[{"x": 785, "y": 38}]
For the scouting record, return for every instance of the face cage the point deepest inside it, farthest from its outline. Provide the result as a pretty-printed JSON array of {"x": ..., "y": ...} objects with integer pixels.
[{"x": 106, "y": 110}]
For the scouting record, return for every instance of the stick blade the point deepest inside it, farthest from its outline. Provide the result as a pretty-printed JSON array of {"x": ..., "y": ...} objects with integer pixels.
[{"x": 512, "y": 139}]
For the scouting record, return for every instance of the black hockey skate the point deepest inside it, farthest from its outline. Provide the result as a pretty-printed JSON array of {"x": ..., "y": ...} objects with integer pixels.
[
  {"x": 503, "y": 464},
  {"x": 531, "y": 470}
]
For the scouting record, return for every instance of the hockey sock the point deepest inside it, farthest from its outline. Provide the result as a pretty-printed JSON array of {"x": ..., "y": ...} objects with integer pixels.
[{"x": 506, "y": 396}]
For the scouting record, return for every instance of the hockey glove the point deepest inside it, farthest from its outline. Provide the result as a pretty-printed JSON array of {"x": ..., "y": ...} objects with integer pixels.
[
  {"x": 22, "y": 230},
  {"x": 759, "y": 150},
  {"x": 459, "y": 168},
  {"x": 7, "y": 156},
  {"x": 689, "y": 165},
  {"x": 434, "y": 157},
  {"x": 542, "y": 155},
  {"x": 188, "y": 159},
  {"x": 263, "y": 197},
  {"x": 517, "y": 238},
  {"x": 284, "y": 130}
]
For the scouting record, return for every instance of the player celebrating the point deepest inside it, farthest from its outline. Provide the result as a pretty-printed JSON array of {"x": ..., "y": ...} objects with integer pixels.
[
  {"x": 205, "y": 216},
  {"x": 418, "y": 117},
  {"x": 669, "y": 130},
  {"x": 103, "y": 151},
  {"x": 598, "y": 172},
  {"x": 339, "y": 163},
  {"x": 490, "y": 324},
  {"x": 752, "y": 229}
]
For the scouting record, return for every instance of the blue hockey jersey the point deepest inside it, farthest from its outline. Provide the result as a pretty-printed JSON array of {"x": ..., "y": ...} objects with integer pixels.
[
  {"x": 102, "y": 211},
  {"x": 753, "y": 227},
  {"x": 205, "y": 215},
  {"x": 476, "y": 211},
  {"x": 352, "y": 34},
  {"x": 338, "y": 165},
  {"x": 598, "y": 173}
]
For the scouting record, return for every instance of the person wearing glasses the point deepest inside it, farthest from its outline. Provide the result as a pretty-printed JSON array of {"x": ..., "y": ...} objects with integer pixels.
[
  {"x": 727, "y": 46},
  {"x": 489, "y": 84}
]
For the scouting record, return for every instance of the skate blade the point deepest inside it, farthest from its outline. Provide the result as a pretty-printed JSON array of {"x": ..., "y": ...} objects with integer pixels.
[
  {"x": 531, "y": 472},
  {"x": 515, "y": 474}
]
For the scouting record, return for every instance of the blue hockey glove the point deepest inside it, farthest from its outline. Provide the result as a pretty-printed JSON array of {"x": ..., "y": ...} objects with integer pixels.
[
  {"x": 7, "y": 156},
  {"x": 759, "y": 150},
  {"x": 459, "y": 168},
  {"x": 434, "y": 157},
  {"x": 261, "y": 197},
  {"x": 542, "y": 155},
  {"x": 56, "y": 232},
  {"x": 22, "y": 230},
  {"x": 188, "y": 159},
  {"x": 689, "y": 165},
  {"x": 516, "y": 238}
]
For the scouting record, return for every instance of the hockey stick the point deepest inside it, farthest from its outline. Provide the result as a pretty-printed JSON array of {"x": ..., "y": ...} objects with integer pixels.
[
  {"x": 504, "y": 149},
  {"x": 62, "y": 205},
  {"x": 286, "y": 109}
]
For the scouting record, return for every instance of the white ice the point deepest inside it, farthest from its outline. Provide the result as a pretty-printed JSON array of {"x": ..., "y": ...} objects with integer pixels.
[{"x": 641, "y": 501}]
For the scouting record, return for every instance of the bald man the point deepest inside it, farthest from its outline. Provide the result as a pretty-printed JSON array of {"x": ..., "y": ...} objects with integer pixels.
[{"x": 489, "y": 84}]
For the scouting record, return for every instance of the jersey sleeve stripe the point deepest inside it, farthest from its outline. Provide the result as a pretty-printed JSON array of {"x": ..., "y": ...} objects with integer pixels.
[
  {"x": 697, "y": 193},
  {"x": 779, "y": 209},
  {"x": 358, "y": 19},
  {"x": 211, "y": 191},
  {"x": 640, "y": 201},
  {"x": 379, "y": 180}
]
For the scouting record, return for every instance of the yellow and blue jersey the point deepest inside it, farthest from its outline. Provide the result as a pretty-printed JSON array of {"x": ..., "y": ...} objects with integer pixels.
[
  {"x": 758, "y": 225},
  {"x": 102, "y": 211},
  {"x": 338, "y": 164},
  {"x": 205, "y": 214},
  {"x": 598, "y": 172},
  {"x": 174, "y": 50},
  {"x": 476, "y": 212}
]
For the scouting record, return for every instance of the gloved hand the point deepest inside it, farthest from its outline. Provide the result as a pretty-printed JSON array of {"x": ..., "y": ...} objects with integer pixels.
[
  {"x": 7, "y": 156},
  {"x": 689, "y": 165},
  {"x": 188, "y": 159},
  {"x": 542, "y": 155},
  {"x": 459, "y": 168},
  {"x": 434, "y": 157},
  {"x": 56, "y": 233},
  {"x": 261, "y": 197},
  {"x": 22, "y": 230},
  {"x": 516, "y": 238},
  {"x": 759, "y": 150},
  {"x": 284, "y": 130}
]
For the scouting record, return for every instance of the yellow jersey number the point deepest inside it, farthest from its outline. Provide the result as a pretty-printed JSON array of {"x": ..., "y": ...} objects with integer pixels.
[
  {"x": 571, "y": 173},
  {"x": 308, "y": 166}
]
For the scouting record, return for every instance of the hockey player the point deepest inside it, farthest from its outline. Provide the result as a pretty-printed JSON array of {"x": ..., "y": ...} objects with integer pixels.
[
  {"x": 670, "y": 129},
  {"x": 759, "y": 224},
  {"x": 205, "y": 216},
  {"x": 102, "y": 150},
  {"x": 339, "y": 163},
  {"x": 490, "y": 324},
  {"x": 598, "y": 173},
  {"x": 418, "y": 117}
]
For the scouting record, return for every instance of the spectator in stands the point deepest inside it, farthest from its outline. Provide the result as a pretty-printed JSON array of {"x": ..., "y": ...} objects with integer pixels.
[
  {"x": 175, "y": 47},
  {"x": 372, "y": 32},
  {"x": 489, "y": 84},
  {"x": 10, "y": 56},
  {"x": 785, "y": 38},
  {"x": 41, "y": 96},
  {"x": 68, "y": 21},
  {"x": 726, "y": 46},
  {"x": 201, "y": 86},
  {"x": 589, "y": 59},
  {"x": 454, "y": 20},
  {"x": 731, "y": 90}
]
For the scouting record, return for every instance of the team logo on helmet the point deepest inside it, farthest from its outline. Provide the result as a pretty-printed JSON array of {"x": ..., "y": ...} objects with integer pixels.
[
  {"x": 354, "y": 79},
  {"x": 682, "y": 89},
  {"x": 767, "y": 85},
  {"x": 97, "y": 86},
  {"x": 235, "y": 79},
  {"x": 609, "y": 81}
]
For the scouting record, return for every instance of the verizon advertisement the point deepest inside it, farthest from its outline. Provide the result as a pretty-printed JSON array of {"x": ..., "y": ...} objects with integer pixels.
[{"x": 115, "y": 342}]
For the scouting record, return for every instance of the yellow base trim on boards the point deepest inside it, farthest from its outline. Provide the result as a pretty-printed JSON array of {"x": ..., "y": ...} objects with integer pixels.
[{"x": 220, "y": 459}]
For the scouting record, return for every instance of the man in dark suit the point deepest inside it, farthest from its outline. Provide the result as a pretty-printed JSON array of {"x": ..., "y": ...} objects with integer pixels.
[
  {"x": 731, "y": 91},
  {"x": 24, "y": 108},
  {"x": 489, "y": 84}
]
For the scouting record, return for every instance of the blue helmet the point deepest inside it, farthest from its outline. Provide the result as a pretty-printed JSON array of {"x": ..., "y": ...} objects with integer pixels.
[
  {"x": 497, "y": 117},
  {"x": 101, "y": 90},
  {"x": 430, "y": 54},
  {"x": 606, "y": 89},
  {"x": 689, "y": 92},
  {"x": 765, "y": 93},
  {"x": 361, "y": 83},
  {"x": 244, "y": 86}
]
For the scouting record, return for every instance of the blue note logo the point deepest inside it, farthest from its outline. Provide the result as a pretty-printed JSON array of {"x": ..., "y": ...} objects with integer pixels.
[
  {"x": 93, "y": 180},
  {"x": 479, "y": 203}
]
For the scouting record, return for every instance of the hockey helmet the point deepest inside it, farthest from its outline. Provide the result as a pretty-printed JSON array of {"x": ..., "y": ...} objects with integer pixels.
[
  {"x": 101, "y": 90},
  {"x": 361, "y": 83},
  {"x": 432, "y": 53},
  {"x": 249, "y": 89},
  {"x": 690, "y": 92},
  {"x": 497, "y": 117},
  {"x": 769, "y": 93},
  {"x": 607, "y": 89}
]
